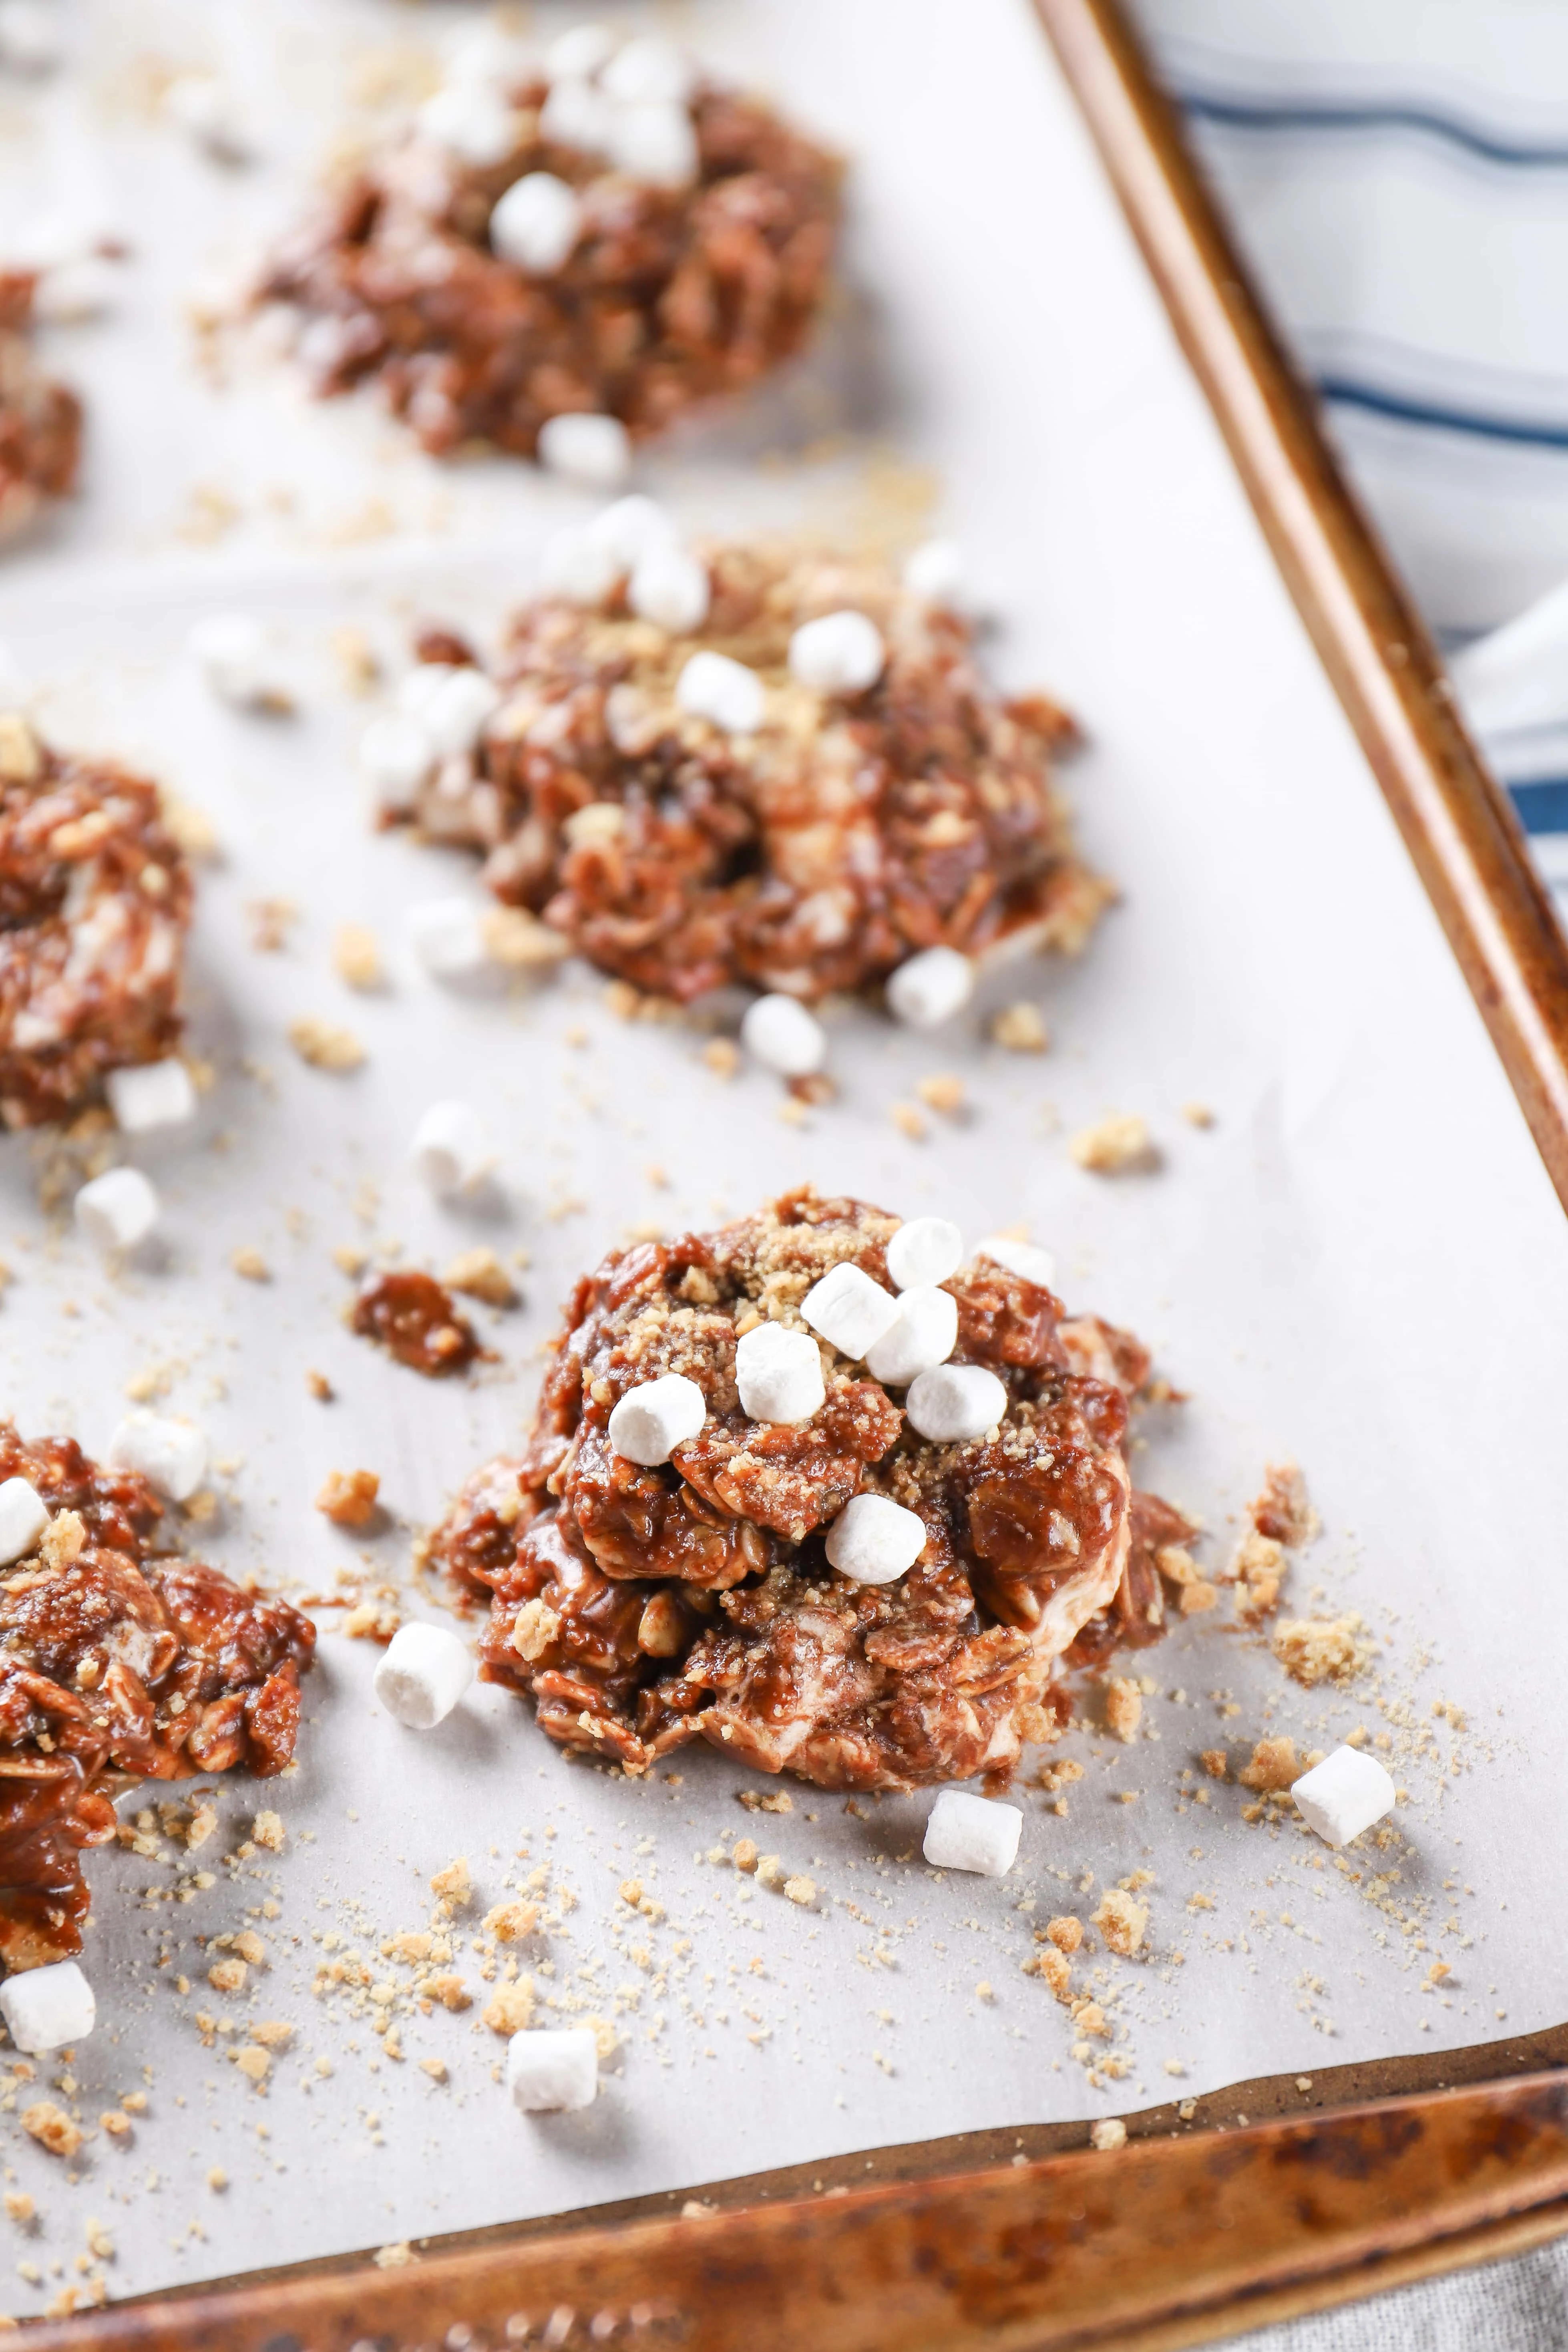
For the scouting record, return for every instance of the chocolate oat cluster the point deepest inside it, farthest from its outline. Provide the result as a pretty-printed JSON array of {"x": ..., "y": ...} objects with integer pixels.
[
  {"x": 847, "y": 820},
  {"x": 627, "y": 242},
  {"x": 40, "y": 421},
  {"x": 870, "y": 1581},
  {"x": 117, "y": 1663},
  {"x": 95, "y": 901}
]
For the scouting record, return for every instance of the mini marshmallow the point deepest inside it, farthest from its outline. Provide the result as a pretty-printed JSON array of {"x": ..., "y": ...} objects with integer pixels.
[
  {"x": 850, "y": 1310},
  {"x": 451, "y": 1149},
  {"x": 230, "y": 651},
  {"x": 722, "y": 691},
  {"x": 579, "y": 567},
  {"x": 924, "y": 1334},
  {"x": 208, "y": 115},
  {"x": 580, "y": 53},
  {"x": 964, "y": 1833},
  {"x": 923, "y": 1251},
  {"x": 486, "y": 54},
  {"x": 47, "y": 2008},
  {"x": 650, "y": 71},
  {"x": 782, "y": 1034},
  {"x": 537, "y": 222},
  {"x": 117, "y": 1210},
  {"x": 655, "y": 144},
  {"x": 651, "y": 1421},
  {"x": 576, "y": 115},
  {"x": 1022, "y": 1258},
  {"x": 873, "y": 1540},
  {"x": 931, "y": 988},
  {"x": 935, "y": 573},
  {"x": 631, "y": 528},
  {"x": 594, "y": 450},
  {"x": 550, "y": 2067},
  {"x": 472, "y": 121},
  {"x": 23, "y": 1515},
  {"x": 447, "y": 937},
  {"x": 422, "y": 1676},
  {"x": 1341, "y": 1796},
  {"x": 843, "y": 653},
  {"x": 670, "y": 589},
  {"x": 778, "y": 1374},
  {"x": 151, "y": 1094},
  {"x": 451, "y": 701},
  {"x": 396, "y": 757},
  {"x": 30, "y": 36},
  {"x": 955, "y": 1403},
  {"x": 171, "y": 1454}
]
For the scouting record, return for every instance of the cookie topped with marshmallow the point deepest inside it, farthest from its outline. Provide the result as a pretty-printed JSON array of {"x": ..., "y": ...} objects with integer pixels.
[{"x": 825, "y": 1489}]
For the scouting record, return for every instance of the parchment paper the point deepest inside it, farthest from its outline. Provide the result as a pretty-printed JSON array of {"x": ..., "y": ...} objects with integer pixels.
[{"x": 1361, "y": 1264}]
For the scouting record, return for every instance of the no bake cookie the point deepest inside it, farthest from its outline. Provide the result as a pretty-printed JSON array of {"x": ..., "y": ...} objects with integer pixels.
[{"x": 642, "y": 1605}]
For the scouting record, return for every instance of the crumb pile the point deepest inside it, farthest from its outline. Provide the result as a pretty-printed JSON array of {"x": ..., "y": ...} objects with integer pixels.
[
  {"x": 118, "y": 1660},
  {"x": 40, "y": 421},
  {"x": 645, "y": 1608},
  {"x": 668, "y": 295},
  {"x": 845, "y": 832},
  {"x": 95, "y": 901}
]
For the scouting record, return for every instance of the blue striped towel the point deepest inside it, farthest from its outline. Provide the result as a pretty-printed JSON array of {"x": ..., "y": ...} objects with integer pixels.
[{"x": 1397, "y": 171}]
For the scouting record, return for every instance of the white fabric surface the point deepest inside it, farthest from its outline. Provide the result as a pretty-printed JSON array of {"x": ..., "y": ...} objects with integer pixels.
[{"x": 1518, "y": 2306}]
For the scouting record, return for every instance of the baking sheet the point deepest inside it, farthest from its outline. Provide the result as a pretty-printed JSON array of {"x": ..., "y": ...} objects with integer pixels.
[{"x": 1360, "y": 1263}]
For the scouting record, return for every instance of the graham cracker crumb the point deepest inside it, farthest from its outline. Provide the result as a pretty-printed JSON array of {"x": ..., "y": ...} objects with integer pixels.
[
  {"x": 348, "y": 1497},
  {"x": 1117, "y": 1145},
  {"x": 227, "y": 1976},
  {"x": 519, "y": 941},
  {"x": 1258, "y": 1568},
  {"x": 357, "y": 957},
  {"x": 1320, "y": 1649},
  {"x": 942, "y": 1093},
  {"x": 1283, "y": 1509},
  {"x": 1052, "y": 1967},
  {"x": 1274, "y": 1765},
  {"x": 1066, "y": 1932},
  {"x": 253, "y": 2063},
  {"x": 1124, "y": 1707},
  {"x": 51, "y": 2127},
  {"x": 722, "y": 1057},
  {"x": 1020, "y": 1028},
  {"x": 480, "y": 1274},
  {"x": 1194, "y": 1599},
  {"x": 510, "y": 2009},
  {"x": 394, "y": 2258},
  {"x": 320, "y": 1388},
  {"x": 800, "y": 1890},
  {"x": 453, "y": 1884},
  {"x": 509, "y": 1923},
  {"x": 908, "y": 1121},
  {"x": 1121, "y": 1921},
  {"x": 217, "y": 2179},
  {"x": 324, "y": 1046},
  {"x": 19, "y": 2206},
  {"x": 267, "y": 1829},
  {"x": 251, "y": 1264},
  {"x": 435, "y": 2067},
  {"x": 1109, "y": 2133},
  {"x": 1215, "y": 1763},
  {"x": 765, "y": 1800},
  {"x": 1197, "y": 1114}
]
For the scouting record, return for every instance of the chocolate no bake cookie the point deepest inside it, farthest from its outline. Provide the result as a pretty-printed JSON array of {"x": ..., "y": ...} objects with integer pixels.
[
  {"x": 95, "y": 901},
  {"x": 626, "y": 243},
  {"x": 117, "y": 1663},
  {"x": 40, "y": 421},
  {"x": 644, "y": 1606},
  {"x": 843, "y": 831}
]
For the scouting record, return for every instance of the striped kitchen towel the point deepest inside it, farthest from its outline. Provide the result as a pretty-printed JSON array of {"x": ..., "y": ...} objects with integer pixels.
[{"x": 1397, "y": 171}]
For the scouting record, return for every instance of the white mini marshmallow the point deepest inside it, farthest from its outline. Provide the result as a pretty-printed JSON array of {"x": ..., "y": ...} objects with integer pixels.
[
  {"x": 651, "y": 1421},
  {"x": 580, "y": 53},
  {"x": 931, "y": 988},
  {"x": 964, "y": 1833},
  {"x": 873, "y": 1540},
  {"x": 447, "y": 938},
  {"x": 631, "y": 528},
  {"x": 671, "y": 588},
  {"x": 486, "y": 54},
  {"x": 117, "y": 1210},
  {"x": 451, "y": 701},
  {"x": 650, "y": 71},
  {"x": 551, "y": 2068},
  {"x": 171, "y": 1454},
  {"x": 953, "y": 1402},
  {"x": 471, "y": 121},
  {"x": 230, "y": 651},
  {"x": 655, "y": 144},
  {"x": 935, "y": 573},
  {"x": 151, "y": 1094},
  {"x": 579, "y": 567},
  {"x": 924, "y": 1334},
  {"x": 451, "y": 1147},
  {"x": 923, "y": 1251},
  {"x": 423, "y": 1674},
  {"x": 778, "y": 1374},
  {"x": 47, "y": 2008},
  {"x": 1343, "y": 1795},
  {"x": 23, "y": 1515},
  {"x": 576, "y": 115},
  {"x": 31, "y": 40},
  {"x": 722, "y": 691},
  {"x": 782, "y": 1034},
  {"x": 850, "y": 1310},
  {"x": 209, "y": 115},
  {"x": 584, "y": 447},
  {"x": 536, "y": 223},
  {"x": 843, "y": 653},
  {"x": 396, "y": 757},
  {"x": 1024, "y": 1259}
]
